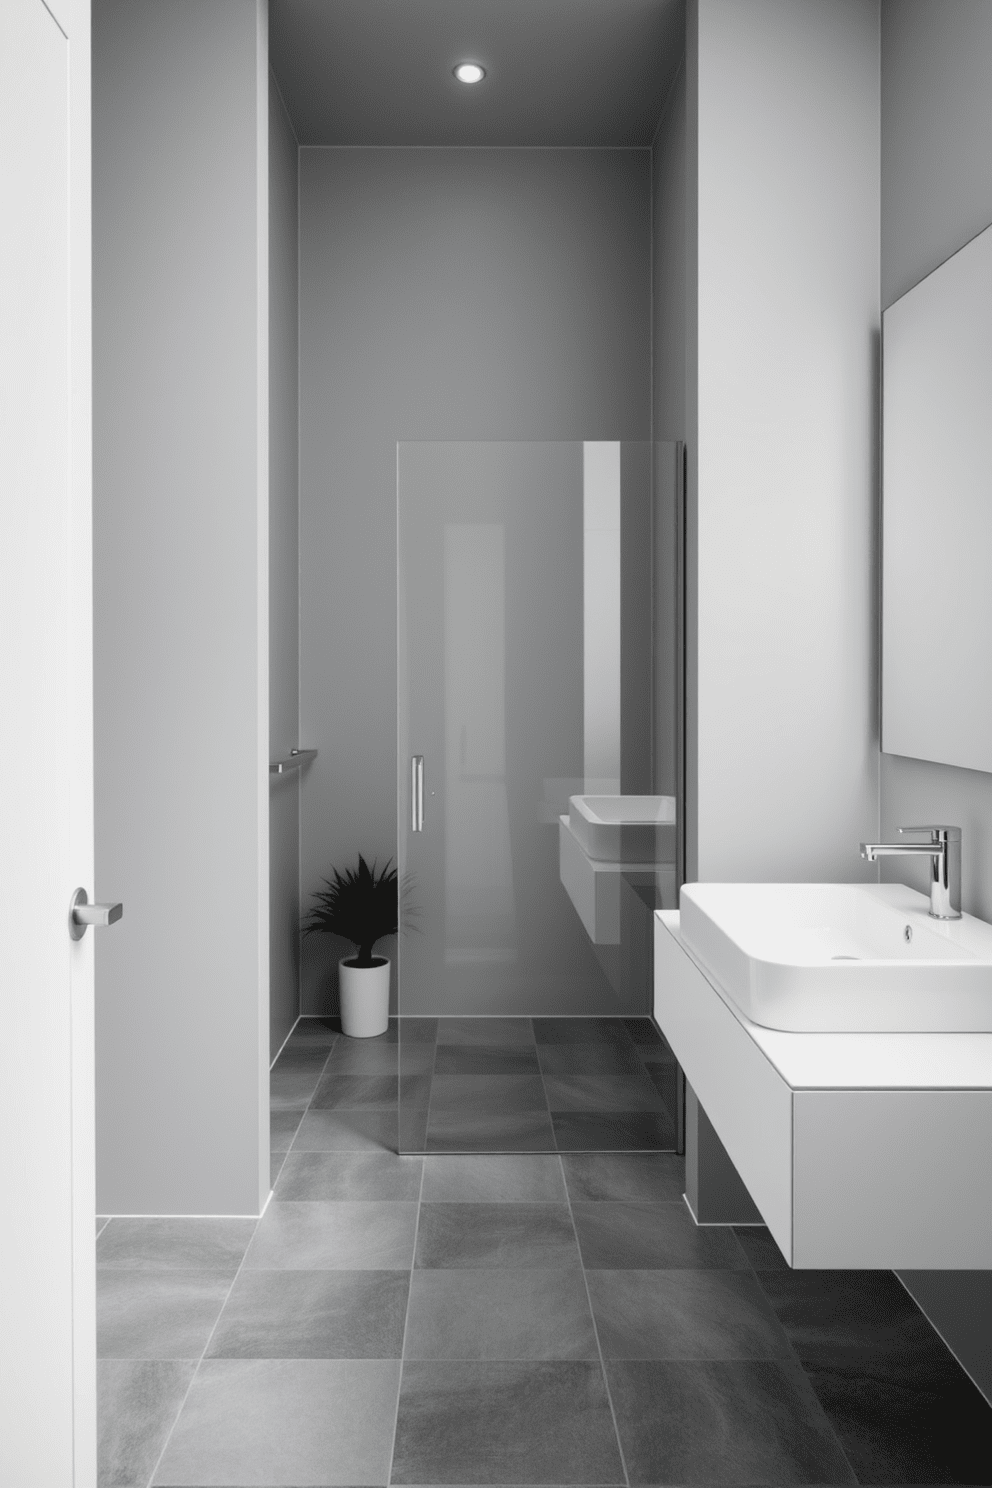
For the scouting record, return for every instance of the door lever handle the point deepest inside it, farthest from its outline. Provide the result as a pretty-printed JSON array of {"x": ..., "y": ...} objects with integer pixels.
[
  {"x": 417, "y": 793},
  {"x": 82, "y": 914}
]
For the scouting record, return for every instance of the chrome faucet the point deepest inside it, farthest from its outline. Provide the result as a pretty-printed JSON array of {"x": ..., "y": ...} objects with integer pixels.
[{"x": 944, "y": 849}]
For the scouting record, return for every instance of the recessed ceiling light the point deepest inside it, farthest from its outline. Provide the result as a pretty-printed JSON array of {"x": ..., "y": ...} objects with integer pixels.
[{"x": 469, "y": 72}]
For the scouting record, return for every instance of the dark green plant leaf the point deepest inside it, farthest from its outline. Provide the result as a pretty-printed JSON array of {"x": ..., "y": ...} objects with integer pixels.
[{"x": 360, "y": 904}]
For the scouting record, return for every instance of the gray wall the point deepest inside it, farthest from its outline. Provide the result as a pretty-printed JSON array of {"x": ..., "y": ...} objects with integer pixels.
[
  {"x": 446, "y": 294},
  {"x": 785, "y": 147},
  {"x": 181, "y": 689},
  {"x": 284, "y": 585},
  {"x": 668, "y": 281},
  {"x": 936, "y": 195}
]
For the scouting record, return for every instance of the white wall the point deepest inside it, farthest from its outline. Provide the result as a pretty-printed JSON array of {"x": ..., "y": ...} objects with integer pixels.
[
  {"x": 181, "y": 522},
  {"x": 284, "y": 566},
  {"x": 783, "y": 135},
  {"x": 936, "y": 195},
  {"x": 449, "y": 294}
]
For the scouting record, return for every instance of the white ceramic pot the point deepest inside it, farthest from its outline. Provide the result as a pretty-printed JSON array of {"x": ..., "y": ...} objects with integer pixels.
[{"x": 364, "y": 997}]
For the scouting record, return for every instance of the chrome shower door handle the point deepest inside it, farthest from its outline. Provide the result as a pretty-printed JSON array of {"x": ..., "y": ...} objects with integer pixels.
[
  {"x": 82, "y": 914},
  {"x": 417, "y": 792}
]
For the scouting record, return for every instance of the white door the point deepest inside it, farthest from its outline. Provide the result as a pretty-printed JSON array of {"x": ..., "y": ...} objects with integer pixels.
[{"x": 47, "y": 1330}]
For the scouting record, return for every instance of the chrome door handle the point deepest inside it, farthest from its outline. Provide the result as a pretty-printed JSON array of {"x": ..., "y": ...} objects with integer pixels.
[
  {"x": 82, "y": 914},
  {"x": 417, "y": 793}
]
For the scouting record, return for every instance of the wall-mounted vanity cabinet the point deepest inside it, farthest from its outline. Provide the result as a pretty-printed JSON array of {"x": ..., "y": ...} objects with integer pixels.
[{"x": 859, "y": 1149}]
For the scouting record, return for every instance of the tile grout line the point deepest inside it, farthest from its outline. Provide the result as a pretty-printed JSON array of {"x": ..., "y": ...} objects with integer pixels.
[
  {"x": 595, "y": 1327},
  {"x": 406, "y": 1319},
  {"x": 227, "y": 1298},
  {"x": 799, "y": 1364},
  {"x": 199, "y": 1361}
]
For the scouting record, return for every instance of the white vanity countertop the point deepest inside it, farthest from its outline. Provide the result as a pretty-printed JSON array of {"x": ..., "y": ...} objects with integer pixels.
[{"x": 875, "y": 1061}]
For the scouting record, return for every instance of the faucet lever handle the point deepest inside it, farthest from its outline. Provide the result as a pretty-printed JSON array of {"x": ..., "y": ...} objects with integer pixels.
[{"x": 937, "y": 833}]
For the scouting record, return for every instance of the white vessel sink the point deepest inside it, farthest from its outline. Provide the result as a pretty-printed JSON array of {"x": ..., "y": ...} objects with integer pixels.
[
  {"x": 841, "y": 957},
  {"x": 615, "y": 829}
]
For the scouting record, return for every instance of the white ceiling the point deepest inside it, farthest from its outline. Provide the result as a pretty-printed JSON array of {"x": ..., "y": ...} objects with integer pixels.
[{"x": 559, "y": 72}]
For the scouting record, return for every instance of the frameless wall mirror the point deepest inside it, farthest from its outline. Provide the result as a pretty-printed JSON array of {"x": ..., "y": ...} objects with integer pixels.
[{"x": 937, "y": 514}]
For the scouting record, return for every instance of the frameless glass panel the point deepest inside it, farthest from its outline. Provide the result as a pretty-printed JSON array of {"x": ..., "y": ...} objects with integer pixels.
[{"x": 527, "y": 710}]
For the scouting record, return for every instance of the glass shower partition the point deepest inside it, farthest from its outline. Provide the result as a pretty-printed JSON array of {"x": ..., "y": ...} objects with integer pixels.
[{"x": 527, "y": 674}]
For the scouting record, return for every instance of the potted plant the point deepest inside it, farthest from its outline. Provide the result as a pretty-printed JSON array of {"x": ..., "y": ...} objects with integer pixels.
[{"x": 361, "y": 905}]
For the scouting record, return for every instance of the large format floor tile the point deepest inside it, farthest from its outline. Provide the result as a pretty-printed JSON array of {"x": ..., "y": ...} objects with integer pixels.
[
  {"x": 647, "y": 1237},
  {"x": 176, "y": 1244},
  {"x": 684, "y": 1315},
  {"x": 850, "y": 1317},
  {"x": 486, "y": 1059},
  {"x": 505, "y": 1423},
  {"x": 630, "y": 1091},
  {"x": 720, "y": 1423},
  {"x": 493, "y": 1178},
  {"x": 348, "y": 1131},
  {"x": 899, "y": 1423},
  {"x": 157, "y": 1314},
  {"x": 475, "y": 1128},
  {"x": 137, "y": 1403},
  {"x": 581, "y": 1031},
  {"x": 313, "y": 1315},
  {"x": 624, "y": 1177},
  {"x": 487, "y": 1031},
  {"x": 355, "y": 1092},
  {"x": 508, "y": 1314},
  {"x": 280, "y": 1422},
  {"x": 340, "y": 1176},
  {"x": 613, "y": 1131},
  {"x": 315, "y": 1236},
  {"x": 458, "y": 1236}
]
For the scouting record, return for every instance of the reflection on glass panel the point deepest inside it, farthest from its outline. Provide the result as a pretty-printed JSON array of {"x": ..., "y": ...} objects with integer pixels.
[
  {"x": 479, "y": 908},
  {"x": 530, "y": 661}
]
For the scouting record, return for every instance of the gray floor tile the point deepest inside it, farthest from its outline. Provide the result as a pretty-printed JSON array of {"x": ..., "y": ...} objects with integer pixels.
[
  {"x": 486, "y": 1059},
  {"x": 276, "y": 1160},
  {"x": 337, "y": 1176},
  {"x": 313, "y": 1315},
  {"x": 137, "y": 1402},
  {"x": 761, "y": 1248},
  {"x": 684, "y": 1315},
  {"x": 284, "y": 1123},
  {"x": 101, "y": 1221},
  {"x": 723, "y": 1423},
  {"x": 455, "y": 1236},
  {"x": 648, "y": 1237},
  {"x": 418, "y": 1030},
  {"x": 631, "y": 1091},
  {"x": 454, "y": 1094},
  {"x": 481, "y": 1129},
  {"x": 618, "y": 1177},
  {"x": 315, "y": 1236},
  {"x": 347, "y": 1131},
  {"x": 613, "y": 1131},
  {"x": 312, "y": 1028},
  {"x": 157, "y": 1314},
  {"x": 355, "y": 1092},
  {"x": 489, "y": 1031},
  {"x": 582, "y": 1031},
  {"x": 303, "y": 1054},
  {"x": 494, "y": 1178},
  {"x": 565, "y": 1060},
  {"x": 290, "y": 1089},
  {"x": 505, "y": 1423},
  {"x": 362, "y": 1058},
  {"x": 284, "y": 1422},
  {"x": 508, "y": 1314},
  {"x": 175, "y": 1244}
]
